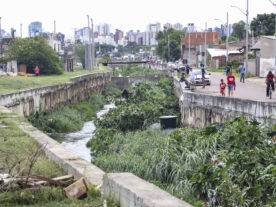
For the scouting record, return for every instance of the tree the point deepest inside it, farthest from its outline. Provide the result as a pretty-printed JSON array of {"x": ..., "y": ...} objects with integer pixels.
[
  {"x": 169, "y": 44},
  {"x": 239, "y": 30},
  {"x": 263, "y": 24},
  {"x": 34, "y": 52},
  {"x": 80, "y": 52}
]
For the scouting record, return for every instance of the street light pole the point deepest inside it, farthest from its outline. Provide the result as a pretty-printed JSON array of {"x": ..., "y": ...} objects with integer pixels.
[
  {"x": 227, "y": 37},
  {"x": 246, "y": 71}
]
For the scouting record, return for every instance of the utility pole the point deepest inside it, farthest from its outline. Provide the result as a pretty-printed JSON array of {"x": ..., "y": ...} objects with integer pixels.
[
  {"x": 93, "y": 45},
  {"x": 227, "y": 36},
  {"x": 21, "y": 30},
  {"x": 189, "y": 47},
  {"x": 205, "y": 46},
  {"x": 227, "y": 39},
  {"x": 275, "y": 38},
  {"x": 55, "y": 27},
  {"x": 88, "y": 48}
]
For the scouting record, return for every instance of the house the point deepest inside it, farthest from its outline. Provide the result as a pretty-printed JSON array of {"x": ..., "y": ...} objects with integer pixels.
[
  {"x": 218, "y": 56},
  {"x": 265, "y": 55},
  {"x": 192, "y": 46}
]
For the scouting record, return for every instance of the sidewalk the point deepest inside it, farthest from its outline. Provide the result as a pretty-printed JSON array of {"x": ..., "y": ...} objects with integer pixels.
[{"x": 253, "y": 88}]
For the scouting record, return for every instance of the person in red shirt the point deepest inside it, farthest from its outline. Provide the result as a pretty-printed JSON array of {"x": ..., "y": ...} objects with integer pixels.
[
  {"x": 269, "y": 81},
  {"x": 231, "y": 84},
  {"x": 222, "y": 87}
]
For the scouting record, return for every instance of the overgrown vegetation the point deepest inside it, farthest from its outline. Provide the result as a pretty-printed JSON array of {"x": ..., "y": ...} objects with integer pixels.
[
  {"x": 225, "y": 164},
  {"x": 143, "y": 106},
  {"x": 134, "y": 70},
  {"x": 69, "y": 118}
]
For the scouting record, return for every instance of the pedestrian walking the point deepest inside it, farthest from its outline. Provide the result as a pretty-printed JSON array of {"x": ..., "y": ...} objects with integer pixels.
[
  {"x": 231, "y": 84},
  {"x": 222, "y": 87},
  {"x": 242, "y": 71},
  {"x": 228, "y": 70},
  {"x": 36, "y": 71},
  {"x": 203, "y": 72}
]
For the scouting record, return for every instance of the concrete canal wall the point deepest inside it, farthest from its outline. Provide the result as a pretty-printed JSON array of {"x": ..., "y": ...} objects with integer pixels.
[
  {"x": 49, "y": 98},
  {"x": 200, "y": 110}
]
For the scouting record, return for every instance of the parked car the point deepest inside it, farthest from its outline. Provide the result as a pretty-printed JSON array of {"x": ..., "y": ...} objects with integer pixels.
[{"x": 198, "y": 77}]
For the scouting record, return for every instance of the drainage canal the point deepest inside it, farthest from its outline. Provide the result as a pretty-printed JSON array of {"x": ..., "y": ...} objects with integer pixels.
[{"x": 75, "y": 142}]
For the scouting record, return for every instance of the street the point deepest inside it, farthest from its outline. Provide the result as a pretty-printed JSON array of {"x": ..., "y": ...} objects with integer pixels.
[{"x": 253, "y": 88}]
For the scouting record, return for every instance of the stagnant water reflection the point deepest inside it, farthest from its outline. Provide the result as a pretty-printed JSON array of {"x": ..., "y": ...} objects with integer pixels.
[{"x": 76, "y": 142}]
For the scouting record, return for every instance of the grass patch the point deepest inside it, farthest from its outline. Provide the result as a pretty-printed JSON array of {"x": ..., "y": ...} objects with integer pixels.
[
  {"x": 10, "y": 84},
  {"x": 68, "y": 118},
  {"x": 52, "y": 197},
  {"x": 16, "y": 145}
]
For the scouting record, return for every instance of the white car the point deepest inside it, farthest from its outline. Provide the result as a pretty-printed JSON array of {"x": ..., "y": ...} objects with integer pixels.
[{"x": 198, "y": 77}]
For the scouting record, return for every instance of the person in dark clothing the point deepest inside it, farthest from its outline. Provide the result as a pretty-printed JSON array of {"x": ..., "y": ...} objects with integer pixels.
[
  {"x": 269, "y": 81},
  {"x": 203, "y": 72},
  {"x": 228, "y": 70},
  {"x": 183, "y": 79}
]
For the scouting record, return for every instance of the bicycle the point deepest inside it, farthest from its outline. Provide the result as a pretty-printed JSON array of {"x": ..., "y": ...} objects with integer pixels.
[{"x": 270, "y": 90}]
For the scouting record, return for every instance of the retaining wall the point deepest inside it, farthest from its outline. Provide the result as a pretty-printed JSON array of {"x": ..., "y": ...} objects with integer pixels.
[
  {"x": 131, "y": 191},
  {"x": 49, "y": 98},
  {"x": 200, "y": 110}
]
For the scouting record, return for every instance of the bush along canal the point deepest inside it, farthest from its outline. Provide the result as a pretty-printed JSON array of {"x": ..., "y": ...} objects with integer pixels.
[
  {"x": 226, "y": 164},
  {"x": 73, "y": 125}
]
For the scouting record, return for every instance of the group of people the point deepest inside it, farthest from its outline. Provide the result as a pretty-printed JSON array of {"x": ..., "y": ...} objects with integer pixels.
[
  {"x": 231, "y": 83},
  {"x": 231, "y": 80}
]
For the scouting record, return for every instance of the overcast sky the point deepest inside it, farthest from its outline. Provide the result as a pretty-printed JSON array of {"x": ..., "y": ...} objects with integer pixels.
[{"x": 124, "y": 14}]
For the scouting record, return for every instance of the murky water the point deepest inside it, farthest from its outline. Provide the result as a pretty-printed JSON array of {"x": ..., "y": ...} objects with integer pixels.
[{"x": 75, "y": 142}]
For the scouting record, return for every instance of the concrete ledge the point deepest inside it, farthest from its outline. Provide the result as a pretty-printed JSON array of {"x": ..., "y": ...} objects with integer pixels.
[
  {"x": 65, "y": 159},
  {"x": 132, "y": 191}
]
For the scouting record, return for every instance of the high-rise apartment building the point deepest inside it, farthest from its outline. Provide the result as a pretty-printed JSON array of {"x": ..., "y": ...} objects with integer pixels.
[
  {"x": 167, "y": 25},
  {"x": 152, "y": 29},
  {"x": 35, "y": 28},
  {"x": 82, "y": 35},
  {"x": 119, "y": 35},
  {"x": 103, "y": 29},
  {"x": 178, "y": 26}
]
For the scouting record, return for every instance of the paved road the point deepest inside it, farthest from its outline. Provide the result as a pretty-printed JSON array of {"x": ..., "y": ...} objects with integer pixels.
[{"x": 253, "y": 88}]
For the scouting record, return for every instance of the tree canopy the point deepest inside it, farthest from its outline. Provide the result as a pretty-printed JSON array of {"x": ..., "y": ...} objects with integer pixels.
[
  {"x": 263, "y": 24},
  {"x": 34, "y": 52},
  {"x": 239, "y": 30},
  {"x": 169, "y": 44}
]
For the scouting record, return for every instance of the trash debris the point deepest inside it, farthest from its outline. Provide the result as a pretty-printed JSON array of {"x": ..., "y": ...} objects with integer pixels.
[{"x": 77, "y": 189}]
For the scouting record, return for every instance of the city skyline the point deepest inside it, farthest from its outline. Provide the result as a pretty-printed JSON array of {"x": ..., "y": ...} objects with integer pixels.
[{"x": 124, "y": 16}]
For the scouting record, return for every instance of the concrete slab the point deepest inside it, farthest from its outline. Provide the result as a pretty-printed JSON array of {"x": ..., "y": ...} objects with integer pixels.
[{"x": 132, "y": 191}]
